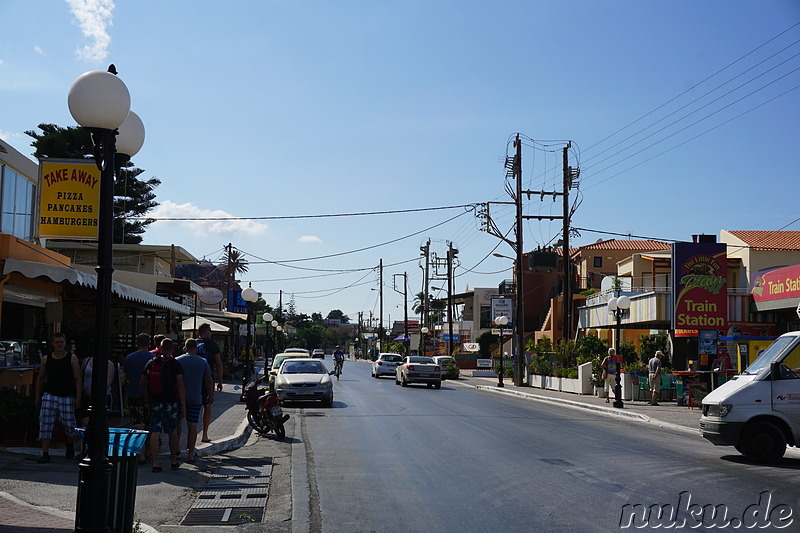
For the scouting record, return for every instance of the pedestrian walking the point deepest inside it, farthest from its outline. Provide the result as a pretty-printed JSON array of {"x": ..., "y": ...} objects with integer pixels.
[
  {"x": 654, "y": 376},
  {"x": 162, "y": 381},
  {"x": 58, "y": 393},
  {"x": 610, "y": 373},
  {"x": 199, "y": 385},
  {"x": 86, "y": 396},
  {"x": 138, "y": 410},
  {"x": 208, "y": 349}
]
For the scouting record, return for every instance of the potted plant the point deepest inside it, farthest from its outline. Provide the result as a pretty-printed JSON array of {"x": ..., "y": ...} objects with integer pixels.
[{"x": 18, "y": 413}]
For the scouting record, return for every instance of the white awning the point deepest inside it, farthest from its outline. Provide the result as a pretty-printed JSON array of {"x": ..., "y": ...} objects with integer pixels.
[
  {"x": 191, "y": 324},
  {"x": 59, "y": 274}
]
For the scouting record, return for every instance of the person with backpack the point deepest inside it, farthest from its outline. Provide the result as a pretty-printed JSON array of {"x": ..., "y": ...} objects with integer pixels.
[
  {"x": 162, "y": 383},
  {"x": 208, "y": 349}
]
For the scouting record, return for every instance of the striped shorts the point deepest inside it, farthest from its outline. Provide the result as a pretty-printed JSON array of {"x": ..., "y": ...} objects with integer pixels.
[
  {"x": 56, "y": 408},
  {"x": 193, "y": 413}
]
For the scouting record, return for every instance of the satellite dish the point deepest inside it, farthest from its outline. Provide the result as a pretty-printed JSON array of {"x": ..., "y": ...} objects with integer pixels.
[{"x": 210, "y": 296}]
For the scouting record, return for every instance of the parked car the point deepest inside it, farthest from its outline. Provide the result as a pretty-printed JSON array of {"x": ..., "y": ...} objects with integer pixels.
[
  {"x": 418, "y": 369},
  {"x": 304, "y": 379},
  {"x": 276, "y": 364},
  {"x": 319, "y": 353},
  {"x": 449, "y": 366},
  {"x": 386, "y": 363}
]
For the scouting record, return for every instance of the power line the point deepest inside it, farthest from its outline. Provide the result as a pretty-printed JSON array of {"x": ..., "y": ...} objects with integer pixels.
[{"x": 296, "y": 217}]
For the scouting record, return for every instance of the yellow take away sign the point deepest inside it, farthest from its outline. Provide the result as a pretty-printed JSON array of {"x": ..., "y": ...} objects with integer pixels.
[{"x": 70, "y": 199}]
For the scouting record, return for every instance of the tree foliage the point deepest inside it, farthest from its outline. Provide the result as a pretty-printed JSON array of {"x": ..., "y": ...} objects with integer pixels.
[{"x": 337, "y": 314}]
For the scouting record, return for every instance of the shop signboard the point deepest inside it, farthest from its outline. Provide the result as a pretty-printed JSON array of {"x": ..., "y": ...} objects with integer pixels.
[
  {"x": 503, "y": 307},
  {"x": 236, "y": 303},
  {"x": 700, "y": 281},
  {"x": 775, "y": 284},
  {"x": 69, "y": 200}
]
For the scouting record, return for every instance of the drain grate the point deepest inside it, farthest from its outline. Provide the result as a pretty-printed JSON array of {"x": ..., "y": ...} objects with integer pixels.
[
  {"x": 236, "y": 494},
  {"x": 223, "y": 517}
]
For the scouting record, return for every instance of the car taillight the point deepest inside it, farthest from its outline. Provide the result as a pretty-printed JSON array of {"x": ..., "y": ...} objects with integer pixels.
[
  {"x": 410, "y": 367},
  {"x": 437, "y": 369},
  {"x": 380, "y": 363}
]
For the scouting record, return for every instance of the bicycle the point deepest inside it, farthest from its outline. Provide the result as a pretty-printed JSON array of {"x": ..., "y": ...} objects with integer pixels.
[{"x": 337, "y": 369}]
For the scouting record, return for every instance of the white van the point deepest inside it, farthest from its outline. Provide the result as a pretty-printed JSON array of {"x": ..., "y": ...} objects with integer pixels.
[{"x": 758, "y": 411}]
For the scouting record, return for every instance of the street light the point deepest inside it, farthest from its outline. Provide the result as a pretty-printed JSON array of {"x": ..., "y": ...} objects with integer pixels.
[
  {"x": 267, "y": 317},
  {"x": 100, "y": 102},
  {"x": 250, "y": 296},
  {"x": 501, "y": 321},
  {"x": 424, "y": 332},
  {"x": 617, "y": 306}
]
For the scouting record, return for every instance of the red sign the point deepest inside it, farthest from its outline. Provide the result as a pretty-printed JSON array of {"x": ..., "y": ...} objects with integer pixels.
[
  {"x": 777, "y": 284},
  {"x": 700, "y": 286}
]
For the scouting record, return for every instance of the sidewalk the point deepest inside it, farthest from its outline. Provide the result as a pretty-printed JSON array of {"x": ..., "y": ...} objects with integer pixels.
[
  {"x": 228, "y": 430},
  {"x": 666, "y": 414}
]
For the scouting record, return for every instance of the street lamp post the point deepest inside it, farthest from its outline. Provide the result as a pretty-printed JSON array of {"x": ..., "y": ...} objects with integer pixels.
[
  {"x": 250, "y": 296},
  {"x": 617, "y": 306},
  {"x": 100, "y": 102},
  {"x": 424, "y": 332},
  {"x": 501, "y": 321},
  {"x": 268, "y": 322}
]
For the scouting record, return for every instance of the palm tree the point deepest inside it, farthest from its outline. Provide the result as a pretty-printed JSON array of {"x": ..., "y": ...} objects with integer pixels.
[
  {"x": 233, "y": 263},
  {"x": 419, "y": 303}
]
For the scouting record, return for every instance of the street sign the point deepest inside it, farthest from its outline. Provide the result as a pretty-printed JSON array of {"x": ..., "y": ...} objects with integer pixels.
[
  {"x": 484, "y": 363},
  {"x": 503, "y": 307},
  {"x": 472, "y": 347},
  {"x": 446, "y": 338}
]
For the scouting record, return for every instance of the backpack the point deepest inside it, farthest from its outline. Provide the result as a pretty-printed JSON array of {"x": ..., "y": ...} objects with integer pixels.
[
  {"x": 201, "y": 350},
  {"x": 158, "y": 376}
]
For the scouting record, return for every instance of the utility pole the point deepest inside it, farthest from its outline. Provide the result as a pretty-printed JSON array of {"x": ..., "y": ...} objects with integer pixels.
[
  {"x": 519, "y": 320},
  {"x": 425, "y": 311},
  {"x": 380, "y": 322},
  {"x": 513, "y": 167},
  {"x": 567, "y": 305},
  {"x": 450, "y": 255},
  {"x": 407, "y": 341}
]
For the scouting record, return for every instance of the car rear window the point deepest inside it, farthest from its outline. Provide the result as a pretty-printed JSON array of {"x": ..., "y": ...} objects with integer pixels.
[
  {"x": 420, "y": 360},
  {"x": 392, "y": 358},
  {"x": 303, "y": 367}
]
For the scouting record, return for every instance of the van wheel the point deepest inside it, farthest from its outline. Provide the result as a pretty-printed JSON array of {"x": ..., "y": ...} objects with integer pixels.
[{"x": 763, "y": 442}]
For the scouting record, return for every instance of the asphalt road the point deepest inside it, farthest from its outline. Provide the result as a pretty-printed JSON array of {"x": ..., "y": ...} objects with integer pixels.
[{"x": 388, "y": 458}]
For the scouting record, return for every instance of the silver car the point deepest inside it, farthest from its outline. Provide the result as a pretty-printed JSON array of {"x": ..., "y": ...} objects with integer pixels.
[
  {"x": 386, "y": 363},
  {"x": 304, "y": 379}
]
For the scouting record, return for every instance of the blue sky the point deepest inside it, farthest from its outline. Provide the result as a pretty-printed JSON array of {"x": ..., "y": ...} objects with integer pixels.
[{"x": 285, "y": 109}]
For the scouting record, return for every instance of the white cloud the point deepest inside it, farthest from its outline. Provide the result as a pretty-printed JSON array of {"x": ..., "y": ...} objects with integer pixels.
[
  {"x": 94, "y": 17},
  {"x": 309, "y": 239},
  {"x": 168, "y": 209},
  {"x": 39, "y": 50}
]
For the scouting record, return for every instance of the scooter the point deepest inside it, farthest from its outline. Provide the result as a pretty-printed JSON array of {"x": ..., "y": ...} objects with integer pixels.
[{"x": 264, "y": 411}]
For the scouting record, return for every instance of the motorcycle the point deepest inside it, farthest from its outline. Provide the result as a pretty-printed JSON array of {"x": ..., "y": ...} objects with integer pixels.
[{"x": 264, "y": 411}]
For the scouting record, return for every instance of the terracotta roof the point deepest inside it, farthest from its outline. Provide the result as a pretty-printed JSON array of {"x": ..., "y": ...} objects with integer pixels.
[
  {"x": 626, "y": 244},
  {"x": 781, "y": 240}
]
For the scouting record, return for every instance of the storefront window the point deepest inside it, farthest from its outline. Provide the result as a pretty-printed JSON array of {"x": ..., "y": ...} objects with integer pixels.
[{"x": 16, "y": 204}]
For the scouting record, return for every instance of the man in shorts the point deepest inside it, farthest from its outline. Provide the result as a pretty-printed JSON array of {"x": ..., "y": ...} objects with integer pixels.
[
  {"x": 198, "y": 383},
  {"x": 162, "y": 381},
  {"x": 209, "y": 350},
  {"x": 138, "y": 410},
  {"x": 654, "y": 375}
]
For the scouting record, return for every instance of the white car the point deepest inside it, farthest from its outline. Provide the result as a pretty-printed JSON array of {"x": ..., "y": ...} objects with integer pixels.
[
  {"x": 418, "y": 369},
  {"x": 304, "y": 379},
  {"x": 386, "y": 363}
]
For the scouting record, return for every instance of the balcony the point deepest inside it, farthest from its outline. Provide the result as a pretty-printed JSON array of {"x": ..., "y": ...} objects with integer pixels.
[{"x": 652, "y": 307}]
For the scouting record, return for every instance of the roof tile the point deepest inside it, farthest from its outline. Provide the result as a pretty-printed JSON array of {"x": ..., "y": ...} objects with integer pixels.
[{"x": 769, "y": 240}]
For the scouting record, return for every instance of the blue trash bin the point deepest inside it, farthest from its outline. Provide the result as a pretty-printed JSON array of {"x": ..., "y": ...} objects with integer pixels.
[{"x": 124, "y": 446}]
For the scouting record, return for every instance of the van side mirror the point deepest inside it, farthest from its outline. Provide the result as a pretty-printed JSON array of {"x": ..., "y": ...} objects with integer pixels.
[{"x": 775, "y": 371}]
